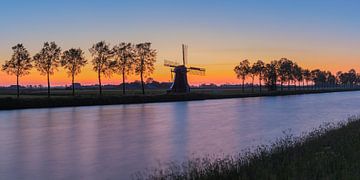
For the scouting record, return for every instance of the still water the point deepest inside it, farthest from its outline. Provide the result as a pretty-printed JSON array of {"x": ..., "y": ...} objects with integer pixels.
[{"x": 112, "y": 142}]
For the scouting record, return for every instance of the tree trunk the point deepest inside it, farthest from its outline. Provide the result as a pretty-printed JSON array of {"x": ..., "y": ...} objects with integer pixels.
[
  {"x": 99, "y": 78},
  {"x": 17, "y": 86},
  {"x": 243, "y": 85},
  {"x": 73, "y": 85},
  {"x": 141, "y": 75},
  {"x": 142, "y": 83},
  {"x": 252, "y": 84},
  {"x": 303, "y": 84},
  {"x": 48, "y": 82},
  {"x": 123, "y": 80},
  {"x": 281, "y": 86},
  {"x": 260, "y": 82}
]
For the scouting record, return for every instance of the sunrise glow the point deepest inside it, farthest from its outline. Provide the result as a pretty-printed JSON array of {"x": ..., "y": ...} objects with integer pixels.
[{"x": 313, "y": 34}]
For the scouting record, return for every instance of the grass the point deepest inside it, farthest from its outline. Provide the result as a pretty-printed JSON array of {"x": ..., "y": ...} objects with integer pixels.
[
  {"x": 35, "y": 93},
  {"x": 330, "y": 152},
  {"x": 63, "y": 98}
]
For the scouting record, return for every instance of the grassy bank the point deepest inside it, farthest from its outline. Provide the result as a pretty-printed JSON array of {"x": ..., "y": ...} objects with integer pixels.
[
  {"x": 330, "y": 152},
  {"x": 62, "y": 99}
]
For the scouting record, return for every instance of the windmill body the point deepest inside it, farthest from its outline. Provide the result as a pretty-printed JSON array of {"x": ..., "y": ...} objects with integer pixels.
[{"x": 180, "y": 82}]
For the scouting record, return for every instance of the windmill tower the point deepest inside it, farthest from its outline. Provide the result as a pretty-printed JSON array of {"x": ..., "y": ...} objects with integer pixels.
[{"x": 180, "y": 83}]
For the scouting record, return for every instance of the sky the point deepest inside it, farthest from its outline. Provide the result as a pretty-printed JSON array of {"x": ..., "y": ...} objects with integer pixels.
[{"x": 314, "y": 33}]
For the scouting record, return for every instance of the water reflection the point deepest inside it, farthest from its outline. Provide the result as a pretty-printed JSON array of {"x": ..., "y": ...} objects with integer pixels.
[{"x": 107, "y": 142}]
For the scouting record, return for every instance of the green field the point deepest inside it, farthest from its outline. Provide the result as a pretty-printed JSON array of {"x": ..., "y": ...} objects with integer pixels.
[{"x": 330, "y": 152}]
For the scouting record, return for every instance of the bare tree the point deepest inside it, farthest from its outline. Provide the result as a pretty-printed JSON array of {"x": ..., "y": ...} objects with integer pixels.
[
  {"x": 19, "y": 64},
  {"x": 146, "y": 57},
  {"x": 242, "y": 70},
  {"x": 125, "y": 56},
  {"x": 73, "y": 60},
  {"x": 47, "y": 60},
  {"x": 101, "y": 54}
]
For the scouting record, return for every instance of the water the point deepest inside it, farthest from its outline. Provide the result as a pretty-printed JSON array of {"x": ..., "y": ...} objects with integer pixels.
[{"x": 112, "y": 142}]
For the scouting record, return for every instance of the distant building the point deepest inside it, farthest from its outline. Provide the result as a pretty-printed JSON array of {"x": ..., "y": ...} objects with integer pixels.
[
  {"x": 210, "y": 86},
  {"x": 15, "y": 87},
  {"x": 76, "y": 85}
]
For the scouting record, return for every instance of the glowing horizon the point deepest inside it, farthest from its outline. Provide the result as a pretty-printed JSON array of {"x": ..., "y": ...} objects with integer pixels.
[{"x": 321, "y": 34}]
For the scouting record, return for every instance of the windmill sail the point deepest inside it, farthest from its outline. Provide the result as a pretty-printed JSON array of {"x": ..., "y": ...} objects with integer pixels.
[
  {"x": 185, "y": 54},
  {"x": 196, "y": 71},
  {"x": 180, "y": 84}
]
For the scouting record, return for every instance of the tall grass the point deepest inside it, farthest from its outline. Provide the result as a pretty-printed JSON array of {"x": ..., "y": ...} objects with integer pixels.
[{"x": 331, "y": 151}]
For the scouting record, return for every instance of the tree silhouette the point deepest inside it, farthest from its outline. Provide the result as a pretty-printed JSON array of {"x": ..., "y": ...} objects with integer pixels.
[
  {"x": 352, "y": 77},
  {"x": 19, "y": 64},
  {"x": 125, "y": 56},
  {"x": 318, "y": 77},
  {"x": 258, "y": 69},
  {"x": 146, "y": 57},
  {"x": 307, "y": 76},
  {"x": 348, "y": 78},
  {"x": 242, "y": 70},
  {"x": 297, "y": 74},
  {"x": 331, "y": 79},
  {"x": 47, "y": 60},
  {"x": 338, "y": 74},
  {"x": 285, "y": 72},
  {"x": 271, "y": 74},
  {"x": 252, "y": 74},
  {"x": 101, "y": 54},
  {"x": 73, "y": 60}
]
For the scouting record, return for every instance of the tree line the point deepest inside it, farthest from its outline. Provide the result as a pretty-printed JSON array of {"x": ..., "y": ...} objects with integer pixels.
[
  {"x": 123, "y": 58},
  {"x": 286, "y": 72}
]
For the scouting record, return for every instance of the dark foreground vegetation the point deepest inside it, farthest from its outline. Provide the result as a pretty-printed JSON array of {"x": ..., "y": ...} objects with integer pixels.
[
  {"x": 329, "y": 152},
  {"x": 63, "y": 98}
]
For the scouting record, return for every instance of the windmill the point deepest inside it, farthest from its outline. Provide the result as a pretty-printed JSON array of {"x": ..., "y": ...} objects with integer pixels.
[{"x": 180, "y": 84}]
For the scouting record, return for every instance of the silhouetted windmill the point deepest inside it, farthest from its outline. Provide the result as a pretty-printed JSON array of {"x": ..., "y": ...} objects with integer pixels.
[{"x": 180, "y": 84}]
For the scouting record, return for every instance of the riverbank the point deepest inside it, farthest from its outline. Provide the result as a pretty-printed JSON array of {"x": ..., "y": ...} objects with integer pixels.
[
  {"x": 329, "y": 152},
  {"x": 9, "y": 103}
]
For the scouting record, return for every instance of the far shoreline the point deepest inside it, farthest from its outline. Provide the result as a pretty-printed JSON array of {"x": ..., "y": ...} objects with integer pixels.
[{"x": 10, "y": 103}]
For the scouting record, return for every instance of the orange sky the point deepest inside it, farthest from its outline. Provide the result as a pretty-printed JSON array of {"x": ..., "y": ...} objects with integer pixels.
[
  {"x": 219, "y": 65},
  {"x": 315, "y": 34}
]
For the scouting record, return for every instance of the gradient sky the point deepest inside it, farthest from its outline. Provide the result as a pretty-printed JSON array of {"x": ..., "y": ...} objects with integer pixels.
[{"x": 315, "y": 33}]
